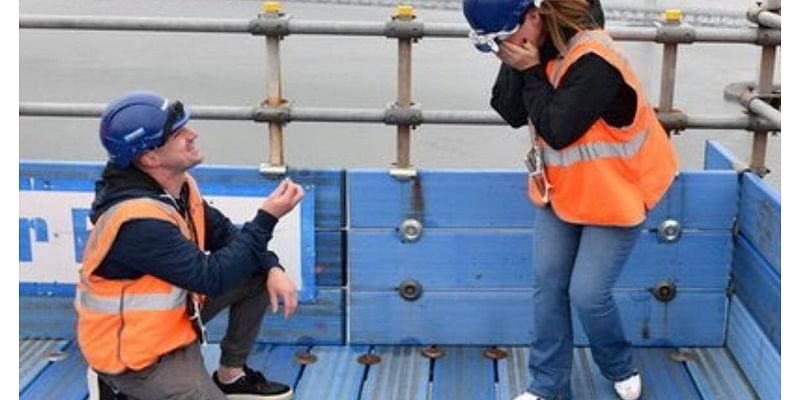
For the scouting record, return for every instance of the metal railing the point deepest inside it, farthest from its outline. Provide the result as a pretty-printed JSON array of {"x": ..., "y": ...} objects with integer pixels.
[{"x": 403, "y": 26}]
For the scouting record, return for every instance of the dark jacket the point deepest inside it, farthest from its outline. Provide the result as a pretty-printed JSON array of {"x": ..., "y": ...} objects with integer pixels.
[
  {"x": 158, "y": 248},
  {"x": 590, "y": 89}
]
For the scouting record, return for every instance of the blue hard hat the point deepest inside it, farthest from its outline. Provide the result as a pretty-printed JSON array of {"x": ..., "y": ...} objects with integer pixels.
[
  {"x": 139, "y": 121},
  {"x": 492, "y": 16}
]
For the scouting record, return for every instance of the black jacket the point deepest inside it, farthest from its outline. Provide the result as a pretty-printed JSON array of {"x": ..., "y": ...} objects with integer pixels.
[
  {"x": 158, "y": 248},
  {"x": 590, "y": 89}
]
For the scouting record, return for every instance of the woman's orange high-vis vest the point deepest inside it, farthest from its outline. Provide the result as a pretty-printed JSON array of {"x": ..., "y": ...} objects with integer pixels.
[
  {"x": 129, "y": 324},
  {"x": 610, "y": 176}
]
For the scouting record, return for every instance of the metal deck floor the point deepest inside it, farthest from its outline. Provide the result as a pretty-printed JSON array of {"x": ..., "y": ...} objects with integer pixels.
[{"x": 54, "y": 369}]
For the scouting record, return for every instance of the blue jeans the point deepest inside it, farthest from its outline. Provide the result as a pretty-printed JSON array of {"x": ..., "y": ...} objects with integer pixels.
[{"x": 576, "y": 265}]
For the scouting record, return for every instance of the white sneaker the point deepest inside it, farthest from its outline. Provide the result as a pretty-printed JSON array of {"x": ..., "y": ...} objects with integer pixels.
[
  {"x": 629, "y": 389},
  {"x": 527, "y": 396}
]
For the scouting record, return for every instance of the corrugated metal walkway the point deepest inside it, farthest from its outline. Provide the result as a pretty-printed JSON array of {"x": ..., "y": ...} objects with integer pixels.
[{"x": 54, "y": 369}]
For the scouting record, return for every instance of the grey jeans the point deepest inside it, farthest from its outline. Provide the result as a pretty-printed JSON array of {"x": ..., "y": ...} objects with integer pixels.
[{"x": 181, "y": 374}]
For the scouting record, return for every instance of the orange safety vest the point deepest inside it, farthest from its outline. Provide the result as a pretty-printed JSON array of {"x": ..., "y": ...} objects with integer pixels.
[
  {"x": 127, "y": 324},
  {"x": 610, "y": 176}
]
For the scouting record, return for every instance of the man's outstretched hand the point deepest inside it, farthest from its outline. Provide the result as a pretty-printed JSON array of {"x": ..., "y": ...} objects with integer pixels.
[
  {"x": 280, "y": 286},
  {"x": 283, "y": 199}
]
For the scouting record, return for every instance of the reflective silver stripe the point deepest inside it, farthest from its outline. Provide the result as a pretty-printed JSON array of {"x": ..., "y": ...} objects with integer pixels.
[
  {"x": 133, "y": 302},
  {"x": 594, "y": 151}
]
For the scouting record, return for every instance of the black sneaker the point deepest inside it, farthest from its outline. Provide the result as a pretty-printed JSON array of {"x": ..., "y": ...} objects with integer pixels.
[{"x": 254, "y": 386}]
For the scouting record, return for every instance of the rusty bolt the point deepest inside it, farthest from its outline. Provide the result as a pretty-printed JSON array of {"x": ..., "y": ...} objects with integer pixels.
[
  {"x": 494, "y": 353},
  {"x": 369, "y": 359},
  {"x": 57, "y": 356},
  {"x": 304, "y": 358},
  {"x": 682, "y": 356},
  {"x": 432, "y": 352}
]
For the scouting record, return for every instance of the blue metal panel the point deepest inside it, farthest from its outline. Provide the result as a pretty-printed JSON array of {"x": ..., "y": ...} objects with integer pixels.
[
  {"x": 211, "y": 353},
  {"x": 59, "y": 176},
  {"x": 482, "y": 258},
  {"x": 46, "y": 289},
  {"x": 321, "y": 322},
  {"x": 308, "y": 252},
  {"x": 760, "y": 218},
  {"x": 442, "y": 259},
  {"x": 512, "y": 373},
  {"x": 754, "y": 353},
  {"x": 699, "y": 200},
  {"x": 586, "y": 381},
  {"x": 463, "y": 373},
  {"x": 238, "y": 181},
  {"x": 214, "y": 180},
  {"x": 504, "y": 317},
  {"x": 697, "y": 260},
  {"x": 402, "y": 374},
  {"x": 47, "y": 317},
  {"x": 34, "y": 356},
  {"x": 758, "y": 287},
  {"x": 453, "y": 317},
  {"x": 469, "y": 199},
  {"x": 278, "y": 362},
  {"x": 717, "y": 376},
  {"x": 336, "y": 375},
  {"x": 718, "y": 157},
  {"x": 330, "y": 253},
  {"x": 662, "y": 378},
  {"x": 63, "y": 380},
  {"x": 693, "y": 318},
  {"x": 462, "y": 199}
]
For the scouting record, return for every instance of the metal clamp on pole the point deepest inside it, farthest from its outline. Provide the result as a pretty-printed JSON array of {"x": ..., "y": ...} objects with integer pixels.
[
  {"x": 672, "y": 30},
  {"x": 764, "y": 17},
  {"x": 280, "y": 114},
  {"x": 674, "y": 120},
  {"x": 277, "y": 25},
  {"x": 403, "y": 170},
  {"x": 271, "y": 16},
  {"x": 669, "y": 61},
  {"x": 401, "y": 27},
  {"x": 396, "y": 115},
  {"x": 764, "y": 105}
]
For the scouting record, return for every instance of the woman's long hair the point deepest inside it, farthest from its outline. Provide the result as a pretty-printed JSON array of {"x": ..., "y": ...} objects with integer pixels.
[{"x": 563, "y": 17}]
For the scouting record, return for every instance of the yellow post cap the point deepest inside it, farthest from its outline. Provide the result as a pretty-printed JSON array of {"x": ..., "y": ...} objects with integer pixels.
[
  {"x": 673, "y": 15},
  {"x": 404, "y": 11},
  {"x": 271, "y": 6}
]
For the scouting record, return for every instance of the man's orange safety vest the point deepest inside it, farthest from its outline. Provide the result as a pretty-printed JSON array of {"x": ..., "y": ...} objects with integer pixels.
[
  {"x": 129, "y": 324},
  {"x": 610, "y": 176}
]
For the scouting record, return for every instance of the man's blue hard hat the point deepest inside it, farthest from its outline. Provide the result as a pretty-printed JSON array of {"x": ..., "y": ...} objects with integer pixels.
[
  {"x": 139, "y": 121},
  {"x": 493, "y": 16}
]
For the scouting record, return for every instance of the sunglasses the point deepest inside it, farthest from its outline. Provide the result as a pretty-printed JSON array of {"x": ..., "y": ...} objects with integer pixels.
[
  {"x": 490, "y": 42},
  {"x": 175, "y": 113}
]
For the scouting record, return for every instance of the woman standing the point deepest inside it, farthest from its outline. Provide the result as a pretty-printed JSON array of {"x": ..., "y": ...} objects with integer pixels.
[{"x": 599, "y": 160}]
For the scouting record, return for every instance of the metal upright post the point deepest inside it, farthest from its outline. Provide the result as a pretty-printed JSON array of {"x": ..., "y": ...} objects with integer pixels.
[
  {"x": 766, "y": 76},
  {"x": 669, "y": 63},
  {"x": 276, "y": 165},
  {"x": 402, "y": 166}
]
